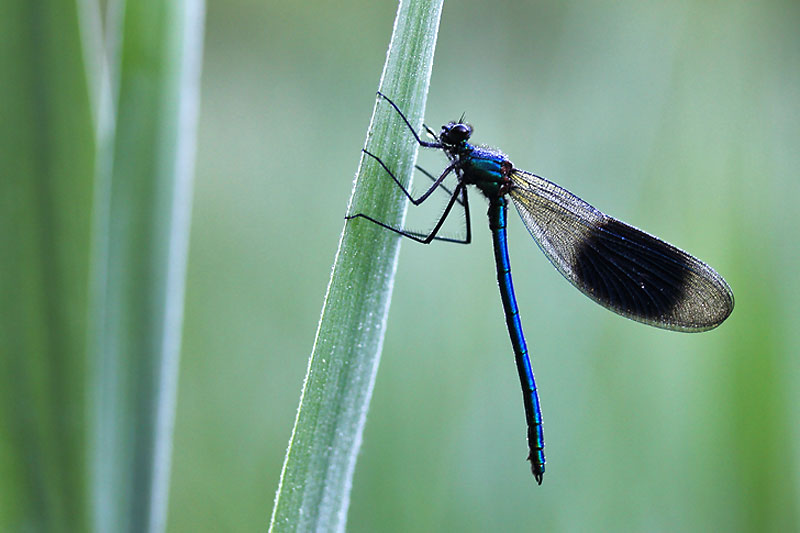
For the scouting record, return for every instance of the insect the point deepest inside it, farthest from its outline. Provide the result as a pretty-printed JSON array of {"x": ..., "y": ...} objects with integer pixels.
[{"x": 622, "y": 268}]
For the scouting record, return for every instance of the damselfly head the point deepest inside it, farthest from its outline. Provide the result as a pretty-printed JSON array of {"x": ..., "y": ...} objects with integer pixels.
[{"x": 455, "y": 133}]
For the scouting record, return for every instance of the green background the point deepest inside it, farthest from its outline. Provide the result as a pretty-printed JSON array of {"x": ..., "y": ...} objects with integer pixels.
[{"x": 680, "y": 118}]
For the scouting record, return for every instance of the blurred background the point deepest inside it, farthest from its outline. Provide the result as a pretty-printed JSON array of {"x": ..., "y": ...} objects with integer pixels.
[{"x": 681, "y": 118}]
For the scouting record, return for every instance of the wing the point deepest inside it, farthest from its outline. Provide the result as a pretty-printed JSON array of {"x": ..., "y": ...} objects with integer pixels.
[{"x": 618, "y": 266}]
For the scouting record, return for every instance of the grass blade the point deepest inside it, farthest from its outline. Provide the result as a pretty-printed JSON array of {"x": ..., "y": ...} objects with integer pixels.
[
  {"x": 317, "y": 475},
  {"x": 47, "y": 154},
  {"x": 141, "y": 240}
]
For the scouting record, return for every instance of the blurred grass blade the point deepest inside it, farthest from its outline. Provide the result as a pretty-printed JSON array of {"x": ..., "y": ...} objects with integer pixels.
[
  {"x": 140, "y": 245},
  {"x": 317, "y": 474},
  {"x": 47, "y": 153}
]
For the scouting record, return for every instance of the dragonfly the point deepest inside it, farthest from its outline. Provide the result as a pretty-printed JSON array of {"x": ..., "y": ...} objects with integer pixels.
[{"x": 622, "y": 268}]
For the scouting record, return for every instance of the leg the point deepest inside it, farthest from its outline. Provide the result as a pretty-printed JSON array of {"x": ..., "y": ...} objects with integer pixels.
[
  {"x": 427, "y": 239},
  {"x": 433, "y": 178},
  {"x": 416, "y": 201},
  {"x": 436, "y": 182},
  {"x": 410, "y": 127},
  {"x": 459, "y": 194}
]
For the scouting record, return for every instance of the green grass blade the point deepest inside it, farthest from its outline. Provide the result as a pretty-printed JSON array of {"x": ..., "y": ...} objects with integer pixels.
[
  {"x": 47, "y": 153},
  {"x": 141, "y": 239},
  {"x": 317, "y": 475}
]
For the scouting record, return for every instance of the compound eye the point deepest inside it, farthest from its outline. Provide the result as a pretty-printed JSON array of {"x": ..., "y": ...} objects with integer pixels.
[
  {"x": 455, "y": 133},
  {"x": 460, "y": 132}
]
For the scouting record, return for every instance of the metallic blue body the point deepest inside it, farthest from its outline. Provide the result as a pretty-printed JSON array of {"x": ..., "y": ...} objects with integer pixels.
[
  {"x": 489, "y": 170},
  {"x": 498, "y": 207}
]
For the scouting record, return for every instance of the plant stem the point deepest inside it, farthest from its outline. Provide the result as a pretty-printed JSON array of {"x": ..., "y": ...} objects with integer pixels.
[{"x": 318, "y": 470}]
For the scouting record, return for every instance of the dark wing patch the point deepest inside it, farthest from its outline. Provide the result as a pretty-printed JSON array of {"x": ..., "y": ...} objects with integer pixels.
[
  {"x": 632, "y": 271},
  {"x": 620, "y": 267}
]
